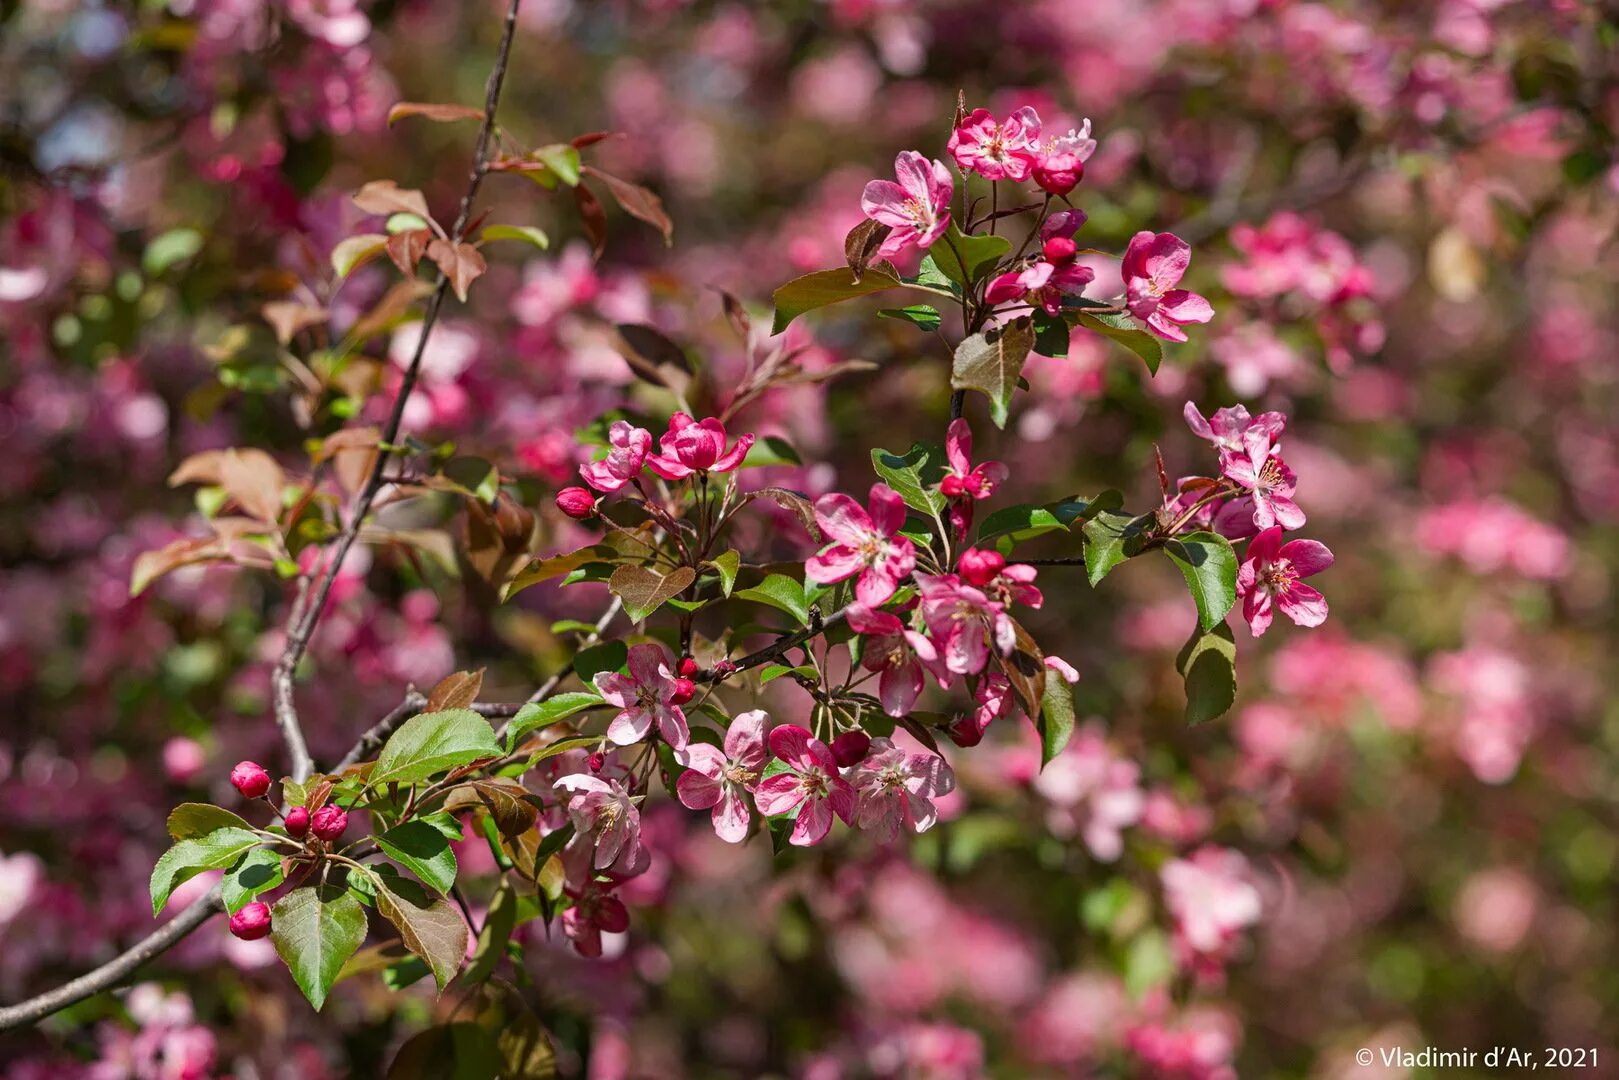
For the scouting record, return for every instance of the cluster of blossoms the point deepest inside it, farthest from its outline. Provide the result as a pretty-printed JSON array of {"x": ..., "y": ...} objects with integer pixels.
[{"x": 1253, "y": 499}]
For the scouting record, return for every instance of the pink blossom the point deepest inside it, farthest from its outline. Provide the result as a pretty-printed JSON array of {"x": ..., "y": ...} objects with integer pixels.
[
  {"x": 1210, "y": 897},
  {"x": 183, "y": 759},
  {"x": 1228, "y": 425},
  {"x": 1259, "y": 469},
  {"x": 595, "y": 911},
  {"x": 643, "y": 696},
  {"x": 1063, "y": 224},
  {"x": 895, "y": 787},
  {"x": 696, "y": 446},
  {"x": 603, "y": 809},
  {"x": 863, "y": 543},
  {"x": 963, "y": 621},
  {"x": 810, "y": 785},
  {"x": 624, "y": 460},
  {"x": 1154, "y": 264},
  {"x": 1061, "y": 165},
  {"x": 963, "y": 478},
  {"x": 250, "y": 779},
  {"x": 992, "y": 700},
  {"x": 1270, "y": 574},
  {"x": 900, "y": 653},
  {"x": 722, "y": 779},
  {"x": 1042, "y": 285},
  {"x": 1092, "y": 791},
  {"x": 994, "y": 151},
  {"x": 917, "y": 209}
]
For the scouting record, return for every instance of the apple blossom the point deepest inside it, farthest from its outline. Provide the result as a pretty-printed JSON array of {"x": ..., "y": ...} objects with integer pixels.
[
  {"x": 595, "y": 911},
  {"x": 1260, "y": 470},
  {"x": 251, "y": 922},
  {"x": 645, "y": 696},
  {"x": 1226, "y": 428},
  {"x": 1004, "y": 151},
  {"x": 810, "y": 787},
  {"x": 1041, "y": 284},
  {"x": 626, "y": 456},
  {"x": 576, "y": 502},
  {"x": 980, "y": 566},
  {"x": 963, "y": 623},
  {"x": 899, "y": 653},
  {"x": 603, "y": 810},
  {"x": 696, "y": 446},
  {"x": 1061, "y": 162},
  {"x": 894, "y": 787},
  {"x": 916, "y": 209},
  {"x": 1154, "y": 264},
  {"x": 722, "y": 780},
  {"x": 250, "y": 779},
  {"x": 1269, "y": 578},
  {"x": 863, "y": 543}
]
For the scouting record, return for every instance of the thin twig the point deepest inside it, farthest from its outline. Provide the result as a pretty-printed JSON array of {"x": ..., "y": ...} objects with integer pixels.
[
  {"x": 307, "y": 611},
  {"x": 770, "y": 652}
]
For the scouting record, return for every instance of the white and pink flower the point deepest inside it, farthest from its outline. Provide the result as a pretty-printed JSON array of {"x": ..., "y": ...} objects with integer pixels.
[
  {"x": 916, "y": 209},
  {"x": 645, "y": 696},
  {"x": 723, "y": 779},
  {"x": 1268, "y": 580},
  {"x": 864, "y": 543},
  {"x": 810, "y": 788}
]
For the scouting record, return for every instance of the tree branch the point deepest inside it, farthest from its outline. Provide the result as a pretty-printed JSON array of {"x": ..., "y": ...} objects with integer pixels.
[
  {"x": 306, "y": 611},
  {"x": 774, "y": 650},
  {"x": 308, "y": 608}
]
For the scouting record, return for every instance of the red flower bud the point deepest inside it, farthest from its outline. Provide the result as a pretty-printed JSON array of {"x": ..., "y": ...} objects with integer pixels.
[
  {"x": 297, "y": 821},
  {"x": 1059, "y": 250},
  {"x": 252, "y": 922},
  {"x": 597, "y": 761},
  {"x": 684, "y": 691},
  {"x": 1059, "y": 173},
  {"x": 329, "y": 822},
  {"x": 689, "y": 667},
  {"x": 250, "y": 779},
  {"x": 964, "y": 731},
  {"x": 723, "y": 668},
  {"x": 952, "y": 486},
  {"x": 980, "y": 567},
  {"x": 850, "y": 747},
  {"x": 577, "y": 502}
]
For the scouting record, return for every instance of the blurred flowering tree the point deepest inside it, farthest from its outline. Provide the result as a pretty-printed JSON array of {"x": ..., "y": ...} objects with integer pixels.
[{"x": 717, "y": 769}]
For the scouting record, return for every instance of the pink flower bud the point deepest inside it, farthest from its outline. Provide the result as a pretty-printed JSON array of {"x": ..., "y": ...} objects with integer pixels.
[
  {"x": 252, "y": 922},
  {"x": 850, "y": 748},
  {"x": 1059, "y": 173},
  {"x": 250, "y": 779},
  {"x": 980, "y": 567},
  {"x": 689, "y": 667},
  {"x": 952, "y": 486},
  {"x": 723, "y": 668},
  {"x": 684, "y": 690},
  {"x": 965, "y": 731},
  {"x": 1059, "y": 250},
  {"x": 297, "y": 821},
  {"x": 329, "y": 822},
  {"x": 597, "y": 761},
  {"x": 577, "y": 502}
]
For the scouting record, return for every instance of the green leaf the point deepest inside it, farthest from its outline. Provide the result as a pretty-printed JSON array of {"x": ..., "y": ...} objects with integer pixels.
[
  {"x": 782, "y": 592},
  {"x": 771, "y": 450},
  {"x": 474, "y": 475},
  {"x": 825, "y": 287},
  {"x": 422, "y": 850},
  {"x": 992, "y": 363},
  {"x": 1015, "y": 524},
  {"x": 557, "y": 565},
  {"x": 526, "y": 233},
  {"x": 258, "y": 871},
  {"x": 915, "y": 475},
  {"x": 608, "y": 656},
  {"x": 188, "y": 858},
  {"x": 1110, "y": 538},
  {"x": 433, "y": 743},
  {"x": 457, "y": 1051},
  {"x": 924, "y": 317},
  {"x": 1050, "y": 335},
  {"x": 497, "y": 929},
  {"x": 1149, "y": 964},
  {"x": 726, "y": 565},
  {"x": 167, "y": 249},
  {"x": 644, "y": 589},
  {"x": 1208, "y": 665},
  {"x": 1056, "y": 725},
  {"x": 771, "y": 672},
  {"x": 978, "y": 255},
  {"x": 1127, "y": 332},
  {"x": 930, "y": 277},
  {"x": 429, "y": 926},
  {"x": 404, "y": 221},
  {"x": 190, "y": 820},
  {"x": 315, "y": 930},
  {"x": 536, "y": 715},
  {"x": 349, "y": 255},
  {"x": 561, "y": 159},
  {"x": 1210, "y": 568}
]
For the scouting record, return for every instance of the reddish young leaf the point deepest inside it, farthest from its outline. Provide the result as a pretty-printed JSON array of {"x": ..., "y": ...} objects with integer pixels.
[
  {"x": 440, "y": 113},
  {"x": 593, "y": 216},
  {"x": 862, "y": 243},
  {"x": 387, "y": 197},
  {"x": 352, "y": 452},
  {"x": 287, "y": 317},
  {"x": 591, "y": 138},
  {"x": 407, "y": 248},
  {"x": 455, "y": 691},
  {"x": 461, "y": 263},
  {"x": 637, "y": 201}
]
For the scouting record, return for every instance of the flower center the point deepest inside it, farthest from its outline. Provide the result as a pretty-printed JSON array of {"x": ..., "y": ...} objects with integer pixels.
[
  {"x": 739, "y": 775},
  {"x": 1270, "y": 475},
  {"x": 1279, "y": 576},
  {"x": 812, "y": 782},
  {"x": 891, "y": 779}
]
